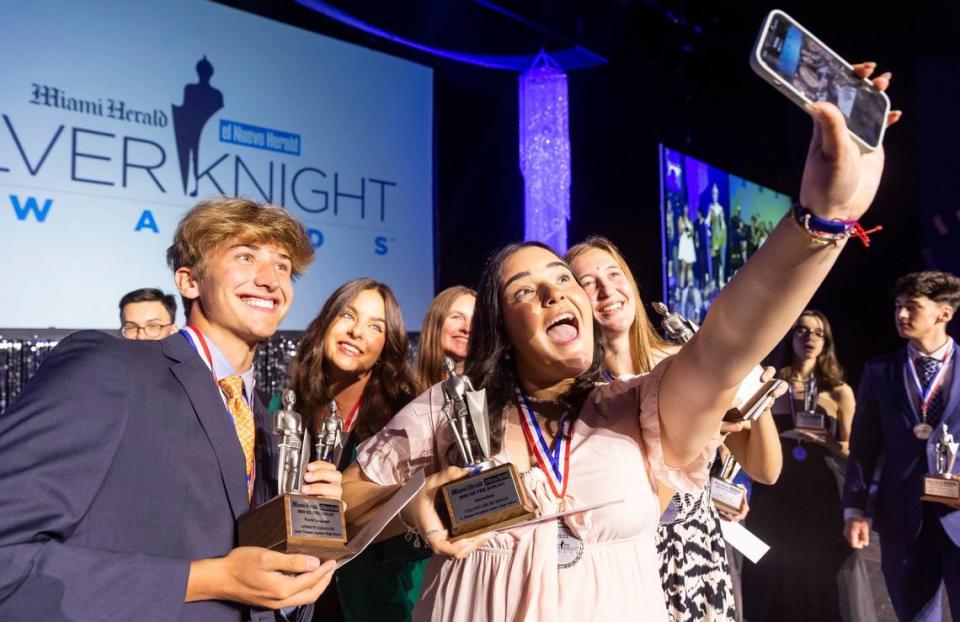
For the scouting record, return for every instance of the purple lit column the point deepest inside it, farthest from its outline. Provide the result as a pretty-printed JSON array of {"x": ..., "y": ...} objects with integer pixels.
[{"x": 545, "y": 153}]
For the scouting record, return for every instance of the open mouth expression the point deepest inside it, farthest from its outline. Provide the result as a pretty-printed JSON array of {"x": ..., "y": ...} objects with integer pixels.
[{"x": 547, "y": 314}]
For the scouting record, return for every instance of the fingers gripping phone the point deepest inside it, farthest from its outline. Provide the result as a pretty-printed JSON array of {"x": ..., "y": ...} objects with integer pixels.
[{"x": 801, "y": 67}]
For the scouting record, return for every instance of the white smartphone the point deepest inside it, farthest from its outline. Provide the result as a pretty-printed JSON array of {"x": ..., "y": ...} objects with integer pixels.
[{"x": 801, "y": 67}]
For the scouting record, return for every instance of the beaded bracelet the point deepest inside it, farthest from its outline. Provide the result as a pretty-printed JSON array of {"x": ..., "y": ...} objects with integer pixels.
[{"x": 823, "y": 231}]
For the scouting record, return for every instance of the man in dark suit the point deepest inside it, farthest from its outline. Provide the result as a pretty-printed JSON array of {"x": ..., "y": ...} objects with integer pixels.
[
  {"x": 904, "y": 400},
  {"x": 124, "y": 465}
]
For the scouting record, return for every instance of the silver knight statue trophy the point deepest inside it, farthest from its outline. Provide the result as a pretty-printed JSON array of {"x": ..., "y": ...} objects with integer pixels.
[
  {"x": 293, "y": 522},
  {"x": 490, "y": 496}
]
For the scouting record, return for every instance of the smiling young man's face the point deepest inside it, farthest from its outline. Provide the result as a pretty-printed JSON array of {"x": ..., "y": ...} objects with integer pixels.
[{"x": 245, "y": 292}]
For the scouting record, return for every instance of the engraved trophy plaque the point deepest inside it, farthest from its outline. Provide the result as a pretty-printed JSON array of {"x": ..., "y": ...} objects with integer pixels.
[
  {"x": 808, "y": 418},
  {"x": 490, "y": 497},
  {"x": 293, "y": 522},
  {"x": 726, "y": 495},
  {"x": 944, "y": 485},
  {"x": 753, "y": 396}
]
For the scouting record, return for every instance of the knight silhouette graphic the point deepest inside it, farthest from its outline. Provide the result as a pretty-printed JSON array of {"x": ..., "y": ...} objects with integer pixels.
[{"x": 200, "y": 102}]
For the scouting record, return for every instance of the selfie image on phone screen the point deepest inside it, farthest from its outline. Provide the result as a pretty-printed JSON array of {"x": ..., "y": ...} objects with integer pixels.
[{"x": 820, "y": 76}]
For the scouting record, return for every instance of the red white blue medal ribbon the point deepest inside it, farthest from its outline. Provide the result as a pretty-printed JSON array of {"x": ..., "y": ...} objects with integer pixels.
[
  {"x": 926, "y": 394},
  {"x": 195, "y": 338},
  {"x": 554, "y": 461}
]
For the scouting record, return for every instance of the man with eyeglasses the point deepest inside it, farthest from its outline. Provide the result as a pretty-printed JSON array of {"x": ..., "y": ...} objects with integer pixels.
[{"x": 148, "y": 313}]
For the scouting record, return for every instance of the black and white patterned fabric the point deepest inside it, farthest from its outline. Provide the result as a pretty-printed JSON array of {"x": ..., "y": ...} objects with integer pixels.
[{"x": 693, "y": 561}]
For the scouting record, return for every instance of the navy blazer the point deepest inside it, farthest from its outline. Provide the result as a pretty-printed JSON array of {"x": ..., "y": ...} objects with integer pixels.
[
  {"x": 883, "y": 427},
  {"x": 119, "y": 465}
]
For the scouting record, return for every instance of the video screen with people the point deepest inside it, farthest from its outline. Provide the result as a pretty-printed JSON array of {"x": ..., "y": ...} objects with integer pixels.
[{"x": 712, "y": 221}]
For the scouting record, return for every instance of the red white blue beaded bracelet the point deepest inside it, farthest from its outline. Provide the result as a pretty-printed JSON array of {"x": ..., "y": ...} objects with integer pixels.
[{"x": 823, "y": 231}]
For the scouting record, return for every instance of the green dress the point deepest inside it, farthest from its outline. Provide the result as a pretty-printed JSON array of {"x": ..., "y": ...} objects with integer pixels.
[{"x": 382, "y": 583}]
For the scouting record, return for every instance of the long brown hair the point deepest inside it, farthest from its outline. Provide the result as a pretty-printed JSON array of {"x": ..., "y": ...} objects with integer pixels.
[
  {"x": 827, "y": 369},
  {"x": 428, "y": 368},
  {"x": 644, "y": 339},
  {"x": 390, "y": 385}
]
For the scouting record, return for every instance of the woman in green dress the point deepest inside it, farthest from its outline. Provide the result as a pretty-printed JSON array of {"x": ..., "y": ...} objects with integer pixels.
[{"x": 355, "y": 353}]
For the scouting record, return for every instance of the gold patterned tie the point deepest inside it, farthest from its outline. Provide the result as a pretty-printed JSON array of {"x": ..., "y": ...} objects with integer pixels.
[{"x": 243, "y": 420}]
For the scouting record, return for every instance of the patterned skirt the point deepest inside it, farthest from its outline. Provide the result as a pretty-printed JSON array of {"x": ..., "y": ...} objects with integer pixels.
[{"x": 693, "y": 561}]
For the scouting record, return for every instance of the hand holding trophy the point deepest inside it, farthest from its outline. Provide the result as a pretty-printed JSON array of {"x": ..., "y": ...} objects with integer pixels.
[
  {"x": 490, "y": 496},
  {"x": 293, "y": 522}
]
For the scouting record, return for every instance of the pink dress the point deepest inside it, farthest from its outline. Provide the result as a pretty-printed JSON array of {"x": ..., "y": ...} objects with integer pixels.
[{"x": 614, "y": 454}]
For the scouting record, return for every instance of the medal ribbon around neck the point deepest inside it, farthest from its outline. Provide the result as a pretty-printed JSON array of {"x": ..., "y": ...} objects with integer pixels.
[
  {"x": 348, "y": 422},
  {"x": 926, "y": 395},
  {"x": 196, "y": 340},
  {"x": 554, "y": 462}
]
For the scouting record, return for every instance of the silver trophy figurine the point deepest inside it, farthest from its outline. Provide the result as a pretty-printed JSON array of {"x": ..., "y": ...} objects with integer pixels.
[
  {"x": 676, "y": 328},
  {"x": 810, "y": 394},
  {"x": 946, "y": 452},
  {"x": 330, "y": 435},
  {"x": 294, "y": 445},
  {"x": 809, "y": 418},
  {"x": 294, "y": 522},
  {"x": 943, "y": 485},
  {"x": 466, "y": 411}
]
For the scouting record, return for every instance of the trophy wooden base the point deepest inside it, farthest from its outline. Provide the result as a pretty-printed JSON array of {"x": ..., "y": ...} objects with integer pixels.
[
  {"x": 293, "y": 523},
  {"x": 726, "y": 496},
  {"x": 487, "y": 501},
  {"x": 941, "y": 488}
]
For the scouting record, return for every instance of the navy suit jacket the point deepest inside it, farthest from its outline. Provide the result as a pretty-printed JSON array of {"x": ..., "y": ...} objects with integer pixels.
[
  {"x": 119, "y": 465},
  {"x": 883, "y": 427}
]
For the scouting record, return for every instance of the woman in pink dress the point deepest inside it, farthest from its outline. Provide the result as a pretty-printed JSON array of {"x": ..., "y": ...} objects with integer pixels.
[{"x": 535, "y": 350}]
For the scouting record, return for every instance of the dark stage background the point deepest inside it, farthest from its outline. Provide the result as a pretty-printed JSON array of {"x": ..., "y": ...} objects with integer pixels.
[{"x": 679, "y": 74}]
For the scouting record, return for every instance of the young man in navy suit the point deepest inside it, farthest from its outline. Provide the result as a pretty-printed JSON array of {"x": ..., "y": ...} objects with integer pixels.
[
  {"x": 125, "y": 464},
  {"x": 904, "y": 400}
]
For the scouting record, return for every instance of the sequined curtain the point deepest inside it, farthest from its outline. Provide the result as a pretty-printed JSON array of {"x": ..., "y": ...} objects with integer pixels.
[
  {"x": 545, "y": 153},
  {"x": 20, "y": 358}
]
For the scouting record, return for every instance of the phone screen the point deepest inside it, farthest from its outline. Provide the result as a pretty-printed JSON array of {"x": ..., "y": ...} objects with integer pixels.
[{"x": 806, "y": 65}]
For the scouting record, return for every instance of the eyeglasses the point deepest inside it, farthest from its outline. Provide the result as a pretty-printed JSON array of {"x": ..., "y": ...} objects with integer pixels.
[
  {"x": 131, "y": 330},
  {"x": 803, "y": 331}
]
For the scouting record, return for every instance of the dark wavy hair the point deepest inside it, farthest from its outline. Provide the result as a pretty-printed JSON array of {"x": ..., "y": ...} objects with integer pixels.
[
  {"x": 391, "y": 383},
  {"x": 827, "y": 370},
  {"x": 940, "y": 287},
  {"x": 490, "y": 364}
]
